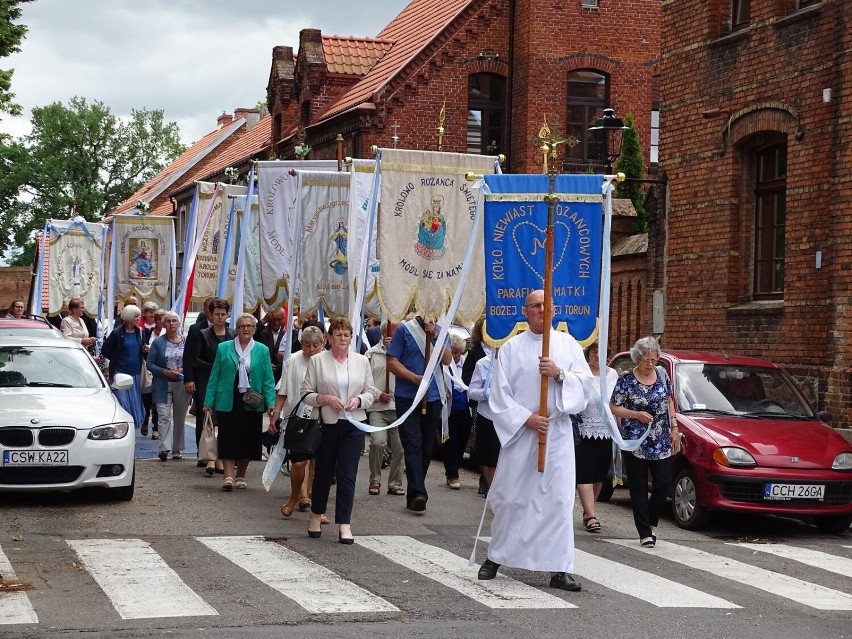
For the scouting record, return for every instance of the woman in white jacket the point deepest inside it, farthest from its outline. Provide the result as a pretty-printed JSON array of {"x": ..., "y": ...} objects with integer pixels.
[{"x": 339, "y": 381}]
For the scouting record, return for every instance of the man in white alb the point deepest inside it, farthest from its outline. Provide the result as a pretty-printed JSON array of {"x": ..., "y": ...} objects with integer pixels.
[{"x": 533, "y": 526}]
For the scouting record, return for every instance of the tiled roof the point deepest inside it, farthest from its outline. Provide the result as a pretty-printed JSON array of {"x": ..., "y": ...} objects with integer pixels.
[
  {"x": 195, "y": 153},
  {"x": 353, "y": 56},
  {"x": 412, "y": 30},
  {"x": 231, "y": 153}
]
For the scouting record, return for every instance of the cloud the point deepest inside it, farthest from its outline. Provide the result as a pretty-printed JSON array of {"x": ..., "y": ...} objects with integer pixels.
[{"x": 192, "y": 58}]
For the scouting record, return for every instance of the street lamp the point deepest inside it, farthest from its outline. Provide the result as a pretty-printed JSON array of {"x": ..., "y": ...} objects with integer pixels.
[{"x": 608, "y": 131}]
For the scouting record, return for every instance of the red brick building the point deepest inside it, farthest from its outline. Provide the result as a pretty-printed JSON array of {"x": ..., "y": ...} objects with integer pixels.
[{"x": 755, "y": 142}]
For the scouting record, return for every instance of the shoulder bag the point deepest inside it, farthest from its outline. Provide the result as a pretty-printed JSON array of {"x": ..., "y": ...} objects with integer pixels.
[{"x": 303, "y": 433}]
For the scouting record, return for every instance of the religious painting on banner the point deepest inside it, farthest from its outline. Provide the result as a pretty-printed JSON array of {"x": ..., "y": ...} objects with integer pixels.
[
  {"x": 211, "y": 258},
  {"x": 515, "y": 231},
  {"x": 277, "y": 191},
  {"x": 428, "y": 210},
  {"x": 323, "y": 261},
  {"x": 75, "y": 262},
  {"x": 144, "y": 248}
]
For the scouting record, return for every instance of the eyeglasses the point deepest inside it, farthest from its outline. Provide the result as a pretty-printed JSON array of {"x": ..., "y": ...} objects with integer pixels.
[
  {"x": 646, "y": 360},
  {"x": 245, "y": 326},
  {"x": 537, "y": 306},
  {"x": 342, "y": 335}
]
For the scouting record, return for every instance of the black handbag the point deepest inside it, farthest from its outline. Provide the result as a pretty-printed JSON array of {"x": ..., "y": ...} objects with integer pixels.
[{"x": 302, "y": 434}]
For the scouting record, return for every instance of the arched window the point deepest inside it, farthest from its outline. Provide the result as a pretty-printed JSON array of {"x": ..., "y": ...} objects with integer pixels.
[
  {"x": 588, "y": 95},
  {"x": 770, "y": 212},
  {"x": 486, "y": 100}
]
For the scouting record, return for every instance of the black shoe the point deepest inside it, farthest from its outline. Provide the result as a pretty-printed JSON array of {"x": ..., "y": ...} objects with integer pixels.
[
  {"x": 315, "y": 534},
  {"x": 144, "y": 431},
  {"x": 564, "y": 581},
  {"x": 163, "y": 456},
  {"x": 418, "y": 504},
  {"x": 345, "y": 540},
  {"x": 488, "y": 570},
  {"x": 200, "y": 463},
  {"x": 210, "y": 471}
]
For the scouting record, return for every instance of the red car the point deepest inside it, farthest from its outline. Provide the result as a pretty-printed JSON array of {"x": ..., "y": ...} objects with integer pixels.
[
  {"x": 35, "y": 327},
  {"x": 752, "y": 443}
]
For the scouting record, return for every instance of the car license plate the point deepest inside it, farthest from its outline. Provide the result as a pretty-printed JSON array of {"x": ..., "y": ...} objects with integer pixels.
[
  {"x": 786, "y": 492},
  {"x": 35, "y": 457}
]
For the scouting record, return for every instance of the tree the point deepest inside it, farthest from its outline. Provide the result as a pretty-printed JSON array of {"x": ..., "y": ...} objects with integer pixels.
[
  {"x": 79, "y": 158},
  {"x": 630, "y": 163},
  {"x": 11, "y": 36}
]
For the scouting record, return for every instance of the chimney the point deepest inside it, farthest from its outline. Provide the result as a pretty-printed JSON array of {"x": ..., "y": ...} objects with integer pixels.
[
  {"x": 252, "y": 116},
  {"x": 224, "y": 120}
]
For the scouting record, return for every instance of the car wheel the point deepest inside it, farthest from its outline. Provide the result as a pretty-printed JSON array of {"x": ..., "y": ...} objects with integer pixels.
[
  {"x": 687, "y": 510},
  {"x": 607, "y": 489},
  {"x": 124, "y": 493},
  {"x": 833, "y": 524}
]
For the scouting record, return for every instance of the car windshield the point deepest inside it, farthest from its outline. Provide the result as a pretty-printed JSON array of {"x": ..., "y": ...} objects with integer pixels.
[
  {"x": 43, "y": 366},
  {"x": 739, "y": 390}
]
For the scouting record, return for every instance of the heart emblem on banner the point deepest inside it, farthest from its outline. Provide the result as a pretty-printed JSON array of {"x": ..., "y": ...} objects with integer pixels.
[{"x": 536, "y": 236}]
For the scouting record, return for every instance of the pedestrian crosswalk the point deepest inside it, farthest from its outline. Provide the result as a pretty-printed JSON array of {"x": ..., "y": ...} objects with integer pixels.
[{"x": 140, "y": 583}]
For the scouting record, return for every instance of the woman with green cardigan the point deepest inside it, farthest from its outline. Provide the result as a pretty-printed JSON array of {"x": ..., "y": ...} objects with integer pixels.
[{"x": 240, "y": 366}]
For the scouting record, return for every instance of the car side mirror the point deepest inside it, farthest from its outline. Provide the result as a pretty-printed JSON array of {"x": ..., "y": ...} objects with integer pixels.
[
  {"x": 824, "y": 416},
  {"x": 122, "y": 382}
]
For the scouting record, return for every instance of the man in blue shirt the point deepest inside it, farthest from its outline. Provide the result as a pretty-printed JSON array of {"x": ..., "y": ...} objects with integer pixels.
[{"x": 406, "y": 361}]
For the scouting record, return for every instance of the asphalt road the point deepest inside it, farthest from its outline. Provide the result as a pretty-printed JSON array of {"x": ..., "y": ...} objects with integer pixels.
[{"x": 237, "y": 568}]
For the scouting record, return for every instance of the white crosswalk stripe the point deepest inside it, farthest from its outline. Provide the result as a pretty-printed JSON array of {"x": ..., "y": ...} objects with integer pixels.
[
  {"x": 807, "y": 556},
  {"x": 15, "y": 606},
  {"x": 643, "y": 585},
  {"x": 138, "y": 582},
  {"x": 809, "y": 594},
  {"x": 454, "y": 572},
  {"x": 315, "y": 588}
]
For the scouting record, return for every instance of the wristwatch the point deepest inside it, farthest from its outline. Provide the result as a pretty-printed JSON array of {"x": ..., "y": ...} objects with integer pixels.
[{"x": 561, "y": 376}]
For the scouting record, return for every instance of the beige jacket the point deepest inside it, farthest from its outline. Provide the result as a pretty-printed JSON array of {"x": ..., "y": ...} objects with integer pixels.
[{"x": 321, "y": 379}]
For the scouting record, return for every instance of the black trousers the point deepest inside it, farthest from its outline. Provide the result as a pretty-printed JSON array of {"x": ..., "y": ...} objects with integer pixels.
[
  {"x": 417, "y": 434},
  {"x": 147, "y": 403},
  {"x": 453, "y": 449},
  {"x": 646, "y": 512},
  {"x": 337, "y": 457}
]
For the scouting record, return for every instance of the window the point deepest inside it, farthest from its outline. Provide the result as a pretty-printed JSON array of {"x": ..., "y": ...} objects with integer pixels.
[
  {"x": 769, "y": 220},
  {"x": 801, "y": 4},
  {"x": 588, "y": 95},
  {"x": 653, "y": 157},
  {"x": 590, "y": 4},
  {"x": 739, "y": 14},
  {"x": 485, "y": 107}
]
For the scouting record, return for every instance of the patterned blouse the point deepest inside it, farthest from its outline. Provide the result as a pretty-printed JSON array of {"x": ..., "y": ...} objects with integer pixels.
[{"x": 631, "y": 394}]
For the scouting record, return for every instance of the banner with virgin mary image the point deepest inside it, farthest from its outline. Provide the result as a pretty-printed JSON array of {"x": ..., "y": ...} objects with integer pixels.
[
  {"x": 145, "y": 255},
  {"x": 211, "y": 258},
  {"x": 74, "y": 263},
  {"x": 426, "y": 222}
]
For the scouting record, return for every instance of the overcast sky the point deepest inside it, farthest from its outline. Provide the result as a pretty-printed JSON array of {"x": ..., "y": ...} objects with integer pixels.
[{"x": 192, "y": 58}]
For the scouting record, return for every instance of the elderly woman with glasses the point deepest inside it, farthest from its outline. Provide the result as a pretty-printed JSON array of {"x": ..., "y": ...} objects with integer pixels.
[
  {"x": 642, "y": 400},
  {"x": 241, "y": 366},
  {"x": 339, "y": 381},
  {"x": 171, "y": 401}
]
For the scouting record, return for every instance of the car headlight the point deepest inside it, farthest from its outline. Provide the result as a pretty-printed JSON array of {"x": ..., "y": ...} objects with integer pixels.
[
  {"x": 732, "y": 456},
  {"x": 110, "y": 431},
  {"x": 842, "y": 462}
]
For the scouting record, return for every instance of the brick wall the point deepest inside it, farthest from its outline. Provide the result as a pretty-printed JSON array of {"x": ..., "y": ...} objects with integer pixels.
[
  {"x": 762, "y": 84},
  {"x": 15, "y": 284}
]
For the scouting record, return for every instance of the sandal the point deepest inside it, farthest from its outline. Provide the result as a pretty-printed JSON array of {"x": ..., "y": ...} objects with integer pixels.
[
  {"x": 396, "y": 490},
  {"x": 240, "y": 483},
  {"x": 228, "y": 484},
  {"x": 304, "y": 504},
  {"x": 592, "y": 524},
  {"x": 287, "y": 509},
  {"x": 324, "y": 519},
  {"x": 374, "y": 489},
  {"x": 647, "y": 542}
]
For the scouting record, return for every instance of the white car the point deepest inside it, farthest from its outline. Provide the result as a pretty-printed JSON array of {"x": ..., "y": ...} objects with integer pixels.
[{"x": 61, "y": 427}]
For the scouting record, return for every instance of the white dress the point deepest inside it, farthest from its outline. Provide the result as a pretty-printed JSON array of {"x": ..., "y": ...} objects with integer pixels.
[{"x": 533, "y": 512}]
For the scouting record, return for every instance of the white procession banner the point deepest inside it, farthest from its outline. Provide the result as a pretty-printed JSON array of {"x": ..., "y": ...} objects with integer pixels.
[
  {"x": 74, "y": 267},
  {"x": 277, "y": 192},
  {"x": 428, "y": 209},
  {"x": 210, "y": 258},
  {"x": 362, "y": 173},
  {"x": 324, "y": 256},
  {"x": 144, "y": 248},
  {"x": 252, "y": 293}
]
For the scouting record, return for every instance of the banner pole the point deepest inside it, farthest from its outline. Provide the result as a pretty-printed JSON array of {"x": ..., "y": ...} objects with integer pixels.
[{"x": 551, "y": 200}]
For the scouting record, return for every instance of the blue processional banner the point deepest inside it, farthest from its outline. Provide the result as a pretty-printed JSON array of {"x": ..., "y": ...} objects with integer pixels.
[{"x": 515, "y": 232}]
